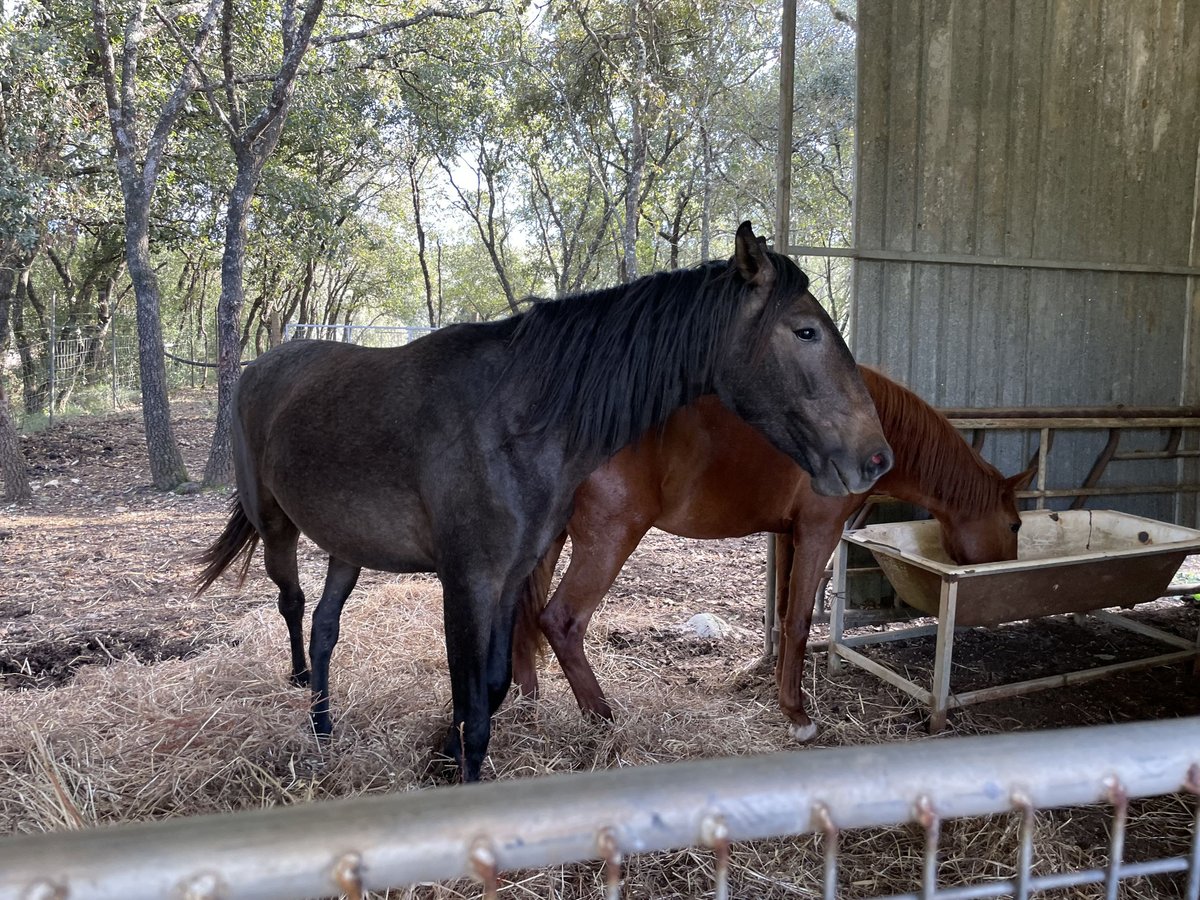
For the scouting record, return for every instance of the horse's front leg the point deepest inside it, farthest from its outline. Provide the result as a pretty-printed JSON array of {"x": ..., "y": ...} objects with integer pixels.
[
  {"x": 785, "y": 556},
  {"x": 470, "y": 603},
  {"x": 339, "y": 582},
  {"x": 813, "y": 549}
]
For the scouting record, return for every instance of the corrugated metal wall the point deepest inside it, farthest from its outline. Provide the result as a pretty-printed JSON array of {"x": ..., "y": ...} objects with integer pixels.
[{"x": 1059, "y": 132}]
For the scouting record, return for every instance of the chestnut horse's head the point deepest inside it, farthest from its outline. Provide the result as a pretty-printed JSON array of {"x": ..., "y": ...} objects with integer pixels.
[
  {"x": 989, "y": 533},
  {"x": 789, "y": 374},
  {"x": 935, "y": 468}
]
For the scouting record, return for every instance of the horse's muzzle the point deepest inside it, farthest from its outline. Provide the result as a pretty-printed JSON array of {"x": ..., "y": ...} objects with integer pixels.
[
  {"x": 841, "y": 476},
  {"x": 877, "y": 465}
]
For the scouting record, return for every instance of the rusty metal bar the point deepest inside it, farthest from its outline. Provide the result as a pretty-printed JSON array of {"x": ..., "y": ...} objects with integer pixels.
[
  {"x": 1116, "y": 845},
  {"x": 1031, "y": 421},
  {"x": 823, "y": 822},
  {"x": 1122, "y": 490},
  {"x": 610, "y": 852},
  {"x": 927, "y": 818},
  {"x": 970, "y": 259},
  {"x": 1143, "y": 455},
  {"x": 483, "y": 830},
  {"x": 1021, "y": 889},
  {"x": 1045, "y": 442},
  {"x": 1103, "y": 458},
  {"x": 1071, "y": 414}
]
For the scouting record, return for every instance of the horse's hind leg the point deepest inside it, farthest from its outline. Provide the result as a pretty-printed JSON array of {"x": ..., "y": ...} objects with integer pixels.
[
  {"x": 595, "y": 563},
  {"x": 527, "y": 633},
  {"x": 339, "y": 582},
  {"x": 279, "y": 556}
]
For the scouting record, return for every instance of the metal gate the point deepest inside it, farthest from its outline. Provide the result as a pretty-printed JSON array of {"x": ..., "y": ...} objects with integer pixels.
[{"x": 387, "y": 841}]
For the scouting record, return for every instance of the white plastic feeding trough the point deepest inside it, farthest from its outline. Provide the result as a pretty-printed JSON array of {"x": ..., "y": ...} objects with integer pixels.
[{"x": 1076, "y": 561}]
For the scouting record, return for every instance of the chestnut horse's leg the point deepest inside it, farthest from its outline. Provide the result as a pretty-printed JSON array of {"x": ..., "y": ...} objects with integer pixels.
[
  {"x": 279, "y": 558},
  {"x": 814, "y": 544},
  {"x": 594, "y": 567},
  {"x": 527, "y": 634},
  {"x": 339, "y": 582},
  {"x": 785, "y": 556}
]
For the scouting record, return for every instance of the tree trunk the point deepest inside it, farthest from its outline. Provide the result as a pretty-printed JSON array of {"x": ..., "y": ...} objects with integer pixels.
[
  {"x": 8, "y": 281},
  {"x": 138, "y": 180},
  {"x": 415, "y": 184},
  {"x": 12, "y": 462},
  {"x": 706, "y": 204},
  {"x": 167, "y": 470},
  {"x": 633, "y": 189},
  {"x": 219, "y": 469},
  {"x": 31, "y": 388},
  {"x": 252, "y": 145}
]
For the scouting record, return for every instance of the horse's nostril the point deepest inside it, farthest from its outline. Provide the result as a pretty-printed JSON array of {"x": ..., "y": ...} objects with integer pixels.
[{"x": 877, "y": 464}]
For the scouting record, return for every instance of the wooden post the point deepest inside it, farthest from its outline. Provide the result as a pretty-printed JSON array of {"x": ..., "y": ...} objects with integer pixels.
[
  {"x": 783, "y": 216},
  {"x": 52, "y": 346},
  {"x": 112, "y": 340}
]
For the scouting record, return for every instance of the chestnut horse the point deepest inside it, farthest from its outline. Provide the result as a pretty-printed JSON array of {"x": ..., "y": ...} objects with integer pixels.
[
  {"x": 460, "y": 452},
  {"x": 705, "y": 474}
]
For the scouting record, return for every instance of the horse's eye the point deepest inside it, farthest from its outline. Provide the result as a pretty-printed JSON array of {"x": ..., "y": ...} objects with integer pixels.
[
  {"x": 1015, "y": 526},
  {"x": 806, "y": 334}
]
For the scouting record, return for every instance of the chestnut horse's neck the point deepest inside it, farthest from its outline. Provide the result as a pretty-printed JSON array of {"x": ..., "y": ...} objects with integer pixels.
[{"x": 935, "y": 468}]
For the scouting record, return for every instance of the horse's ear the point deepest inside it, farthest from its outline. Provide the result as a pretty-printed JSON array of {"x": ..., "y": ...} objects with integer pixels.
[
  {"x": 751, "y": 257},
  {"x": 1021, "y": 480}
]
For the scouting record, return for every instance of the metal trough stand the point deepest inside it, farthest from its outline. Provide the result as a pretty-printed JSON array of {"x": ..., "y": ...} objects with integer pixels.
[{"x": 1074, "y": 561}]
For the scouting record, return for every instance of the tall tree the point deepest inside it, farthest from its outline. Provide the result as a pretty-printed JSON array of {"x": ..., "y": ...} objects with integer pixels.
[
  {"x": 253, "y": 141},
  {"x": 139, "y": 166},
  {"x": 13, "y": 470}
]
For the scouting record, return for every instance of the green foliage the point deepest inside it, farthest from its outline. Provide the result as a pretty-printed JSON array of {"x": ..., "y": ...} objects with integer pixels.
[{"x": 518, "y": 122}]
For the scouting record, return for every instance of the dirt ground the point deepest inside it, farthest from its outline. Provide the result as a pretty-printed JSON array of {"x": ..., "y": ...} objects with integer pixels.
[
  {"x": 98, "y": 571},
  {"x": 100, "y": 567}
]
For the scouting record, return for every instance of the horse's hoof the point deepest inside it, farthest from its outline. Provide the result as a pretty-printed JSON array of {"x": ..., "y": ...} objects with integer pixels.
[
  {"x": 444, "y": 769},
  {"x": 322, "y": 726},
  {"x": 299, "y": 679},
  {"x": 601, "y": 713},
  {"x": 803, "y": 733}
]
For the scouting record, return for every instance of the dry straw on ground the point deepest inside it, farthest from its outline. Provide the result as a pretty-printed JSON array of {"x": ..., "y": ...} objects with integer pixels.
[{"x": 222, "y": 730}]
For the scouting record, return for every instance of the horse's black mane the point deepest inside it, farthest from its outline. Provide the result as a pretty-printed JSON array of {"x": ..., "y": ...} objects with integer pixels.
[{"x": 611, "y": 364}]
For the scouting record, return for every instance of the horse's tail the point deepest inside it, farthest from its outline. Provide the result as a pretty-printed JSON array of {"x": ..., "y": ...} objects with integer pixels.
[
  {"x": 529, "y": 643},
  {"x": 239, "y": 537}
]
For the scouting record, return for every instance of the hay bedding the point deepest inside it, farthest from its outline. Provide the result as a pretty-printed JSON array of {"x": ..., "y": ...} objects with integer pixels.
[{"x": 126, "y": 698}]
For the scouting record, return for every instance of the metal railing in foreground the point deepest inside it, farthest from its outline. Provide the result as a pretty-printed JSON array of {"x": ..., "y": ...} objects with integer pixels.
[{"x": 377, "y": 842}]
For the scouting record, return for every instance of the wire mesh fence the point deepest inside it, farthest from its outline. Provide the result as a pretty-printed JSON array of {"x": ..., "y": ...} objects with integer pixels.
[
  {"x": 70, "y": 369},
  {"x": 362, "y": 335},
  {"x": 93, "y": 368}
]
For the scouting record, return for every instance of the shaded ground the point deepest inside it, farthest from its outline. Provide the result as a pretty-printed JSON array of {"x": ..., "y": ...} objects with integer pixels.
[{"x": 95, "y": 584}]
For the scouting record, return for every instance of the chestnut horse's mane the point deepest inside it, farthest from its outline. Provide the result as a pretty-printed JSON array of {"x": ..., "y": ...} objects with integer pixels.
[{"x": 930, "y": 452}]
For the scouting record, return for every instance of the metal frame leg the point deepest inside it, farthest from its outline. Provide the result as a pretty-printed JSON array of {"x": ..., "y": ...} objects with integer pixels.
[
  {"x": 837, "y": 608},
  {"x": 940, "y": 691}
]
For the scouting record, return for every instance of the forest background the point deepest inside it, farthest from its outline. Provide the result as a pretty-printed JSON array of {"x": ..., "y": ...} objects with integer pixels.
[{"x": 182, "y": 181}]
